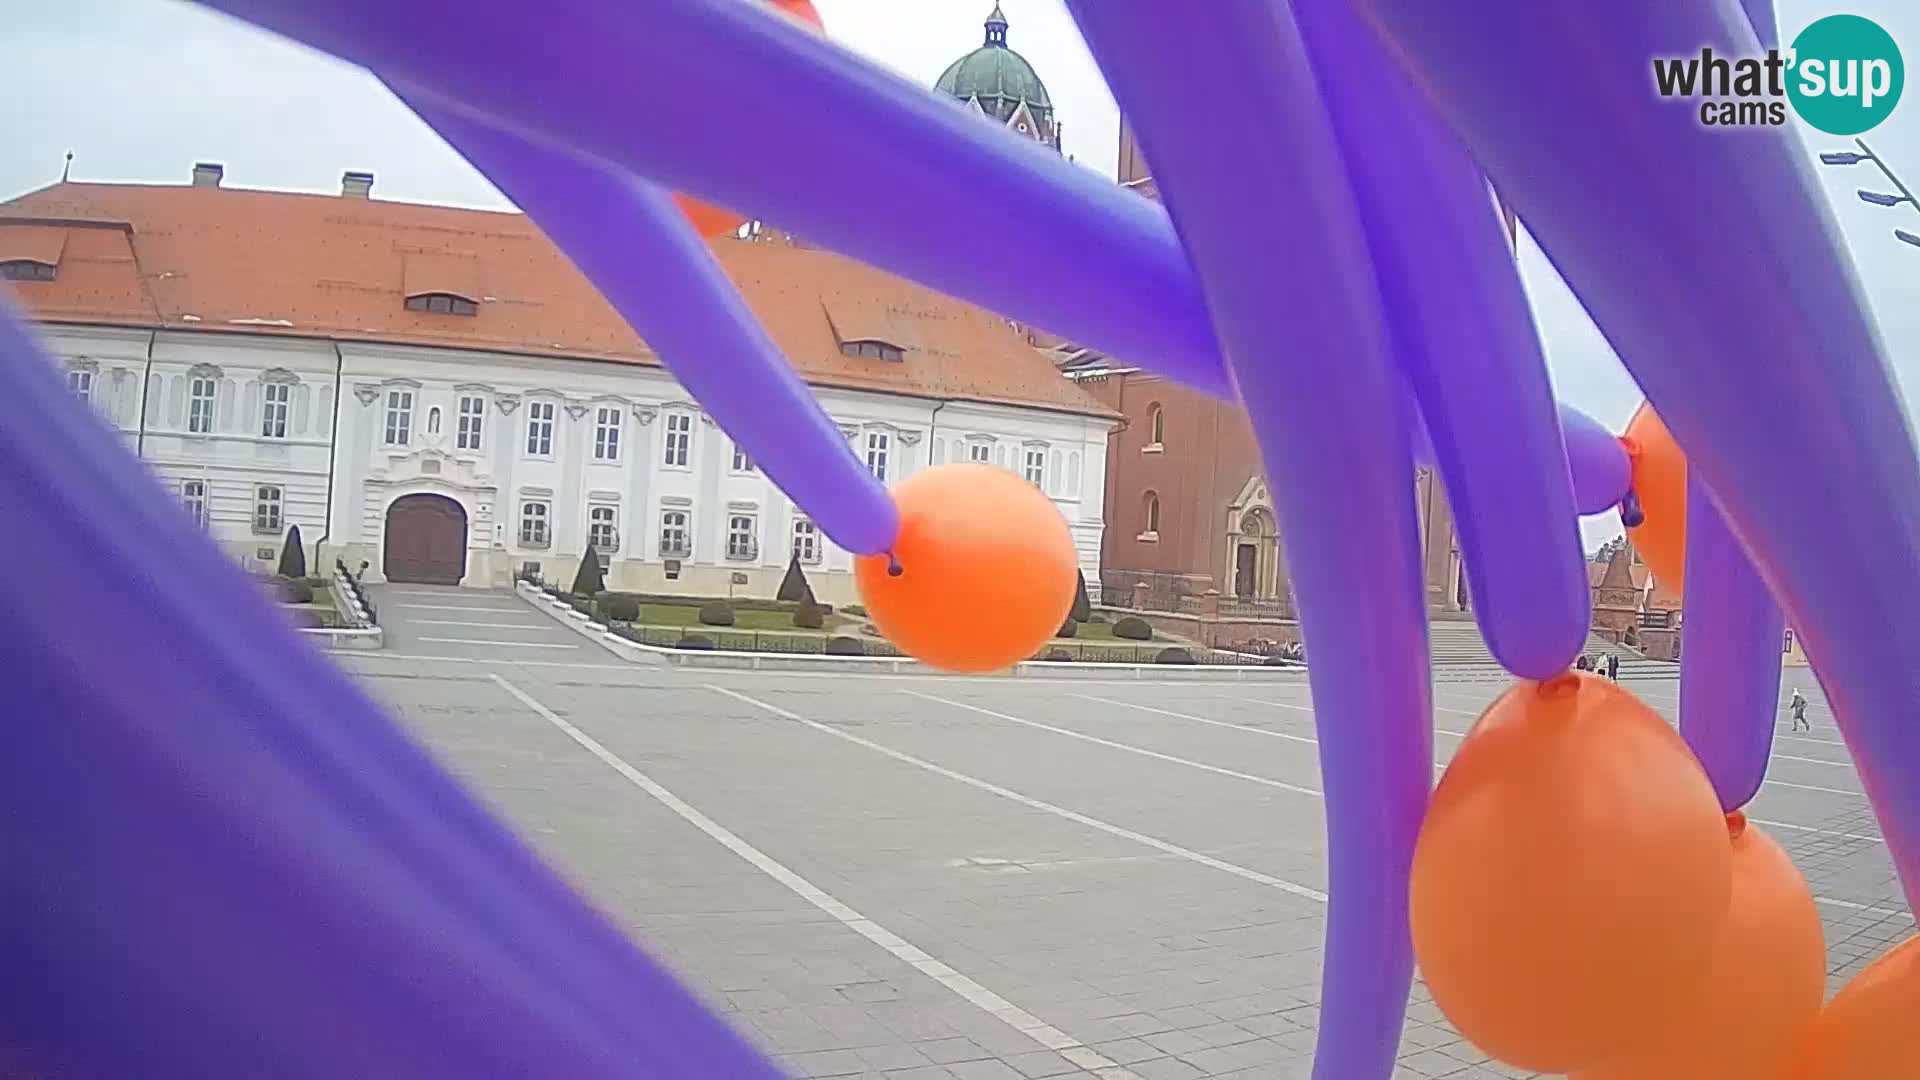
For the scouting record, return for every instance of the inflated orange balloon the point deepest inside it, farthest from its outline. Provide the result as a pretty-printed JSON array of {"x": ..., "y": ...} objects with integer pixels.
[
  {"x": 1571, "y": 877},
  {"x": 710, "y": 221},
  {"x": 986, "y": 570},
  {"x": 1866, "y": 1031},
  {"x": 1660, "y": 480},
  {"x": 1765, "y": 981}
]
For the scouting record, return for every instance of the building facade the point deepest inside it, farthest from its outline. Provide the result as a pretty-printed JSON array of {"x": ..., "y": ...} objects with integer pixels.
[
  {"x": 437, "y": 394},
  {"x": 1188, "y": 508}
]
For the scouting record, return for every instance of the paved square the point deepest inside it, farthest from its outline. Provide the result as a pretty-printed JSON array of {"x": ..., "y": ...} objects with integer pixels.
[{"x": 910, "y": 877}]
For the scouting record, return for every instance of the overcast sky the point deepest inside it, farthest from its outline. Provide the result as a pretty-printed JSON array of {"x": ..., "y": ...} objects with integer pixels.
[{"x": 140, "y": 89}]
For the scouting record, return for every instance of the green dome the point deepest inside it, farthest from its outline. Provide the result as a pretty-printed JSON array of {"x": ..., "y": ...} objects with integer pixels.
[{"x": 994, "y": 71}]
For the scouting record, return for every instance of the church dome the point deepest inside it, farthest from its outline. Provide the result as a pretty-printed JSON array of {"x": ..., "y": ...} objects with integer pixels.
[{"x": 994, "y": 73}]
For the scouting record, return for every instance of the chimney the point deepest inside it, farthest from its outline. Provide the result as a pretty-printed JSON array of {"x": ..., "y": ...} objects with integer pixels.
[
  {"x": 208, "y": 173},
  {"x": 356, "y": 185}
]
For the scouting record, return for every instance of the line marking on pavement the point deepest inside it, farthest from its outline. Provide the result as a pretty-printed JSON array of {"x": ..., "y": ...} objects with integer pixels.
[
  {"x": 442, "y": 594},
  {"x": 459, "y": 607},
  {"x": 508, "y": 644},
  {"x": 1203, "y": 720},
  {"x": 426, "y": 657},
  {"x": 1850, "y": 905},
  {"x": 973, "y": 993},
  {"x": 1036, "y": 804},
  {"x": 1302, "y": 738},
  {"x": 1142, "y": 751},
  {"x": 487, "y": 625},
  {"x": 1822, "y": 832}
]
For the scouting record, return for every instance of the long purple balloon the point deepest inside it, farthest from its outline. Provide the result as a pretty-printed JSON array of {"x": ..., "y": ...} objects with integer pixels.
[
  {"x": 1596, "y": 461},
  {"x": 1307, "y": 347},
  {"x": 815, "y": 139},
  {"x": 628, "y": 237},
  {"x": 1730, "y": 670},
  {"x": 1712, "y": 263},
  {"x": 224, "y": 861},
  {"x": 1464, "y": 338}
]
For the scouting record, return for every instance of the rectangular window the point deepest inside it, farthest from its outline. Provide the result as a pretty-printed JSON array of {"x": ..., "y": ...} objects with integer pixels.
[
  {"x": 806, "y": 541},
  {"x": 533, "y": 523},
  {"x": 200, "y": 405},
  {"x": 1036, "y": 470},
  {"x": 980, "y": 452},
  {"x": 601, "y": 531},
  {"x": 675, "y": 540},
  {"x": 193, "y": 496},
  {"x": 1786, "y": 645},
  {"x": 878, "y": 443},
  {"x": 741, "y": 543},
  {"x": 540, "y": 428},
  {"x": 472, "y": 411},
  {"x": 267, "y": 506},
  {"x": 606, "y": 434},
  {"x": 81, "y": 383},
  {"x": 679, "y": 440},
  {"x": 399, "y": 417},
  {"x": 276, "y": 397},
  {"x": 741, "y": 462}
]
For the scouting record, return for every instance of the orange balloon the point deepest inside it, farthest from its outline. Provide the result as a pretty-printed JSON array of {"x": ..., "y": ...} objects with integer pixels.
[
  {"x": 710, "y": 221},
  {"x": 1571, "y": 877},
  {"x": 1660, "y": 480},
  {"x": 1765, "y": 981},
  {"x": 1866, "y": 1031},
  {"x": 986, "y": 570}
]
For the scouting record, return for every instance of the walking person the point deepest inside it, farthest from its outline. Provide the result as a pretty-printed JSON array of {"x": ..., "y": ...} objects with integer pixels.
[
  {"x": 1613, "y": 666},
  {"x": 1797, "y": 705}
]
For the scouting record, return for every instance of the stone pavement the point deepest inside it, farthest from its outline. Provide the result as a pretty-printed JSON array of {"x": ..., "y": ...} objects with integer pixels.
[{"x": 911, "y": 877}]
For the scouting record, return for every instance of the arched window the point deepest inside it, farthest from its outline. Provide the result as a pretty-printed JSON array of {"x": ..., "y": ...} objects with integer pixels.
[
  {"x": 441, "y": 303},
  {"x": 26, "y": 270},
  {"x": 1150, "y": 516},
  {"x": 1156, "y": 425}
]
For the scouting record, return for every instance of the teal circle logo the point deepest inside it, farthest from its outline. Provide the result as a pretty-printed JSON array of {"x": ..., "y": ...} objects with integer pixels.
[{"x": 1847, "y": 74}]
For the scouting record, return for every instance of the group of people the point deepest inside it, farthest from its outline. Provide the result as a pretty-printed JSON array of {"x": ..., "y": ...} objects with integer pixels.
[{"x": 1606, "y": 664}]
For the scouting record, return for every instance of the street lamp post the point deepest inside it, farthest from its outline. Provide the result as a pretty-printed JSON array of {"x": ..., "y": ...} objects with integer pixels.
[{"x": 1877, "y": 198}]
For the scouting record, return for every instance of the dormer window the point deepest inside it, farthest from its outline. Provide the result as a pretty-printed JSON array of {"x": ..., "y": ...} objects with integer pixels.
[
  {"x": 877, "y": 350},
  {"x": 26, "y": 270},
  {"x": 442, "y": 304}
]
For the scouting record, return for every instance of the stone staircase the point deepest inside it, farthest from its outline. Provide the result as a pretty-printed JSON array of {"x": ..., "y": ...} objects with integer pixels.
[{"x": 1460, "y": 655}]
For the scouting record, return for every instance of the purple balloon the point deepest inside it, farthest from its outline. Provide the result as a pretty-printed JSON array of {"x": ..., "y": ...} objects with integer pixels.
[
  {"x": 1712, "y": 263},
  {"x": 1328, "y": 408},
  {"x": 224, "y": 861},
  {"x": 1597, "y": 462},
  {"x": 1766, "y": 25},
  {"x": 887, "y": 172},
  {"x": 633, "y": 243},
  {"x": 1465, "y": 341},
  {"x": 1730, "y": 671}
]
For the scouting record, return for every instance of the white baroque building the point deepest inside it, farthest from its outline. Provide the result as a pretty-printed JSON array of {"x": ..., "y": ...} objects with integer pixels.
[{"x": 435, "y": 392}]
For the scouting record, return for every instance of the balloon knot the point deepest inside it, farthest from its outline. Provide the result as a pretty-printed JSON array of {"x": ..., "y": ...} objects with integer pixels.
[
  {"x": 1736, "y": 824},
  {"x": 894, "y": 569},
  {"x": 1631, "y": 515}
]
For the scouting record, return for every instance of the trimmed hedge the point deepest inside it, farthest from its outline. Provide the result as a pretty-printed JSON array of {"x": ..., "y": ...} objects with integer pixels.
[
  {"x": 1133, "y": 628},
  {"x": 1057, "y": 654},
  {"x": 620, "y": 607},
  {"x": 738, "y": 603},
  {"x": 1096, "y": 617},
  {"x": 294, "y": 592},
  {"x": 1068, "y": 628},
  {"x": 1175, "y": 655},
  {"x": 694, "y": 641},
  {"x": 853, "y": 609},
  {"x": 846, "y": 646},
  {"x": 1082, "y": 607},
  {"x": 716, "y": 615}
]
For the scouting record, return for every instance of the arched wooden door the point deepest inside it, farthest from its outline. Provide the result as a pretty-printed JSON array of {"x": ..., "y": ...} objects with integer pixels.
[{"x": 426, "y": 541}]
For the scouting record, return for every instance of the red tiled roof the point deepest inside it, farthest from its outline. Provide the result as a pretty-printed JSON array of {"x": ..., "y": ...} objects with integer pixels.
[{"x": 226, "y": 259}]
